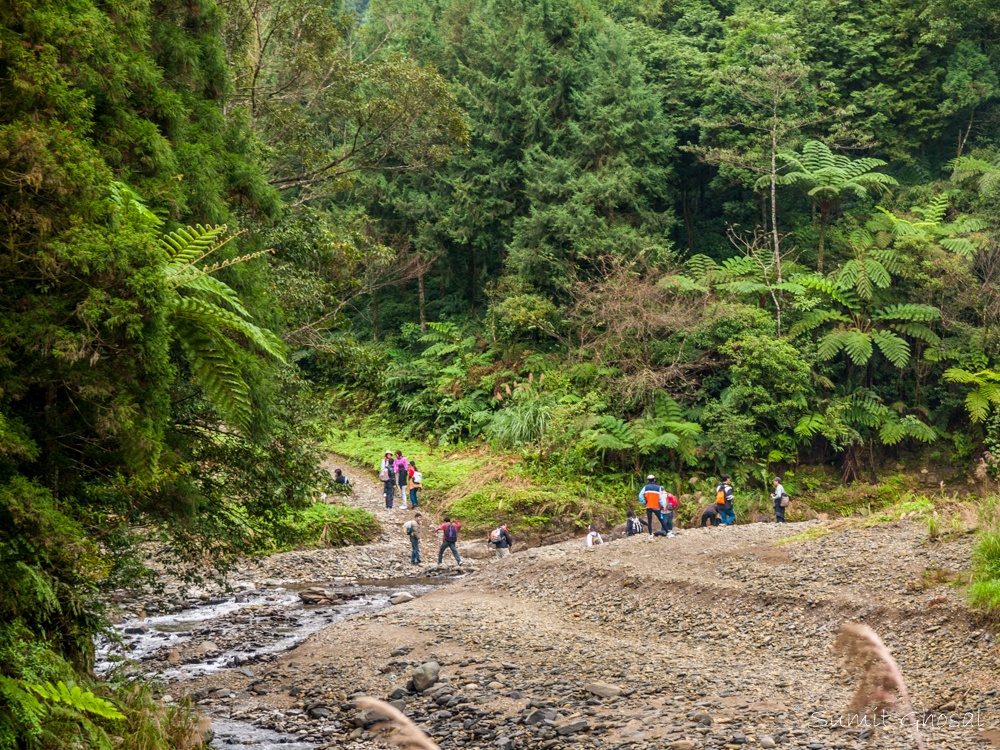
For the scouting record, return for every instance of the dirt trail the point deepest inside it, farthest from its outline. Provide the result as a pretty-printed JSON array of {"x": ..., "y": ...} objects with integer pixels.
[{"x": 716, "y": 639}]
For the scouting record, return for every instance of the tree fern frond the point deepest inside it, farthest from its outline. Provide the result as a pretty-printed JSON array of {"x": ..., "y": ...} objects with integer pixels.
[
  {"x": 858, "y": 346},
  {"x": 812, "y": 320},
  {"x": 214, "y": 361},
  {"x": 907, "y": 312},
  {"x": 213, "y": 316},
  {"x": 191, "y": 244},
  {"x": 918, "y": 331},
  {"x": 894, "y": 348},
  {"x": 76, "y": 698}
]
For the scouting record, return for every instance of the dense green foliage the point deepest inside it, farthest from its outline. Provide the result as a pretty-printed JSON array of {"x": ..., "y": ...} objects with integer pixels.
[{"x": 606, "y": 236}]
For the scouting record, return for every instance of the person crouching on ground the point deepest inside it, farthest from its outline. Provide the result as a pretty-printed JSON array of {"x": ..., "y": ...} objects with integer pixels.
[
  {"x": 710, "y": 515},
  {"x": 633, "y": 524},
  {"x": 593, "y": 538},
  {"x": 449, "y": 536}
]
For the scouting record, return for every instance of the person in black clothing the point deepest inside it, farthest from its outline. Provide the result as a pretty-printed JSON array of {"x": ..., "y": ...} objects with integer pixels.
[
  {"x": 339, "y": 478},
  {"x": 633, "y": 524},
  {"x": 727, "y": 513},
  {"x": 504, "y": 542},
  {"x": 710, "y": 515}
]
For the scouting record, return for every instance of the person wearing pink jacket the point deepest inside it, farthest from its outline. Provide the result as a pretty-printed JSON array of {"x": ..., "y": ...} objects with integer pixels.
[{"x": 400, "y": 467}]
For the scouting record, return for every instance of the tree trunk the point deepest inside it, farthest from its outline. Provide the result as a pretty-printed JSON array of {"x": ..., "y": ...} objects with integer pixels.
[
  {"x": 774, "y": 194},
  {"x": 688, "y": 223},
  {"x": 375, "y": 314},
  {"x": 473, "y": 279},
  {"x": 423, "y": 303},
  {"x": 823, "y": 213}
]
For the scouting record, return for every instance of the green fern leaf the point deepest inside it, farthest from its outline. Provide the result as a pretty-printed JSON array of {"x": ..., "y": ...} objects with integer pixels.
[
  {"x": 858, "y": 346},
  {"x": 191, "y": 244},
  {"x": 894, "y": 348},
  {"x": 813, "y": 320},
  {"x": 907, "y": 312}
]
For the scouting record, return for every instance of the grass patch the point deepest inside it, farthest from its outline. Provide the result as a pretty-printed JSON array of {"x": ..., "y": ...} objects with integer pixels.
[
  {"x": 482, "y": 487},
  {"x": 817, "y": 532},
  {"x": 932, "y": 577},
  {"x": 326, "y": 525}
]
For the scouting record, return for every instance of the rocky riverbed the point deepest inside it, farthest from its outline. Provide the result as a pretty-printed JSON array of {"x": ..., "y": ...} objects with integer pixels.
[{"x": 715, "y": 639}]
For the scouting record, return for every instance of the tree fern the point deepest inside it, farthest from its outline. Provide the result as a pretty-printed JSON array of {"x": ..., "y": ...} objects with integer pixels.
[
  {"x": 75, "y": 698},
  {"x": 203, "y": 328},
  {"x": 985, "y": 394}
]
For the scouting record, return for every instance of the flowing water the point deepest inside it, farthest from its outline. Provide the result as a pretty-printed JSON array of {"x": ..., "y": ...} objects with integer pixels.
[{"x": 257, "y": 626}]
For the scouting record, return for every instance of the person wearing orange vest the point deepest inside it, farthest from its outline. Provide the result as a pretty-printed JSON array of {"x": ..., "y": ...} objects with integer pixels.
[{"x": 654, "y": 497}]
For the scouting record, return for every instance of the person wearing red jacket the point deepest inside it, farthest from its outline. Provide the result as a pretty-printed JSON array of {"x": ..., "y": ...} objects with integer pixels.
[{"x": 449, "y": 536}]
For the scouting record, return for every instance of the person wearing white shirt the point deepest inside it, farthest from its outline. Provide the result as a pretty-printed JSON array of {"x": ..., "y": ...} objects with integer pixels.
[
  {"x": 593, "y": 538},
  {"x": 780, "y": 500}
]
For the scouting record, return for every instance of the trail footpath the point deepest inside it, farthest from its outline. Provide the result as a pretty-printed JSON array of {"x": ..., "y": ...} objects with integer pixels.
[{"x": 718, "y": 638}]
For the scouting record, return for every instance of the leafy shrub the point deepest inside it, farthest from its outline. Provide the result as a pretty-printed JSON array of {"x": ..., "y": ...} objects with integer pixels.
[{"x": 326, "y": 525}]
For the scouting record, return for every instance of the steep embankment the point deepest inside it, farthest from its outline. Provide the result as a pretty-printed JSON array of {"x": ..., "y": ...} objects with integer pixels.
[{"x": 715, "y": 639}]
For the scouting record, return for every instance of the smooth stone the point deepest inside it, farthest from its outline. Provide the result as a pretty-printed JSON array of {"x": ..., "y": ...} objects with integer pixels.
[
  {"x": 401, "y": 598},
  {"x": 426, "y": 675},
  {"x": 205, "y": 646},
  {"x": 603, "y": 689},
  {"x": 767, "y": 742}
]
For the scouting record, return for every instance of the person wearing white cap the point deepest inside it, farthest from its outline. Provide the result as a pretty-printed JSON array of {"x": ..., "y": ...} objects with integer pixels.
[
  {"x": 654, "y": 497},
  {"x": 388, "y": 476}
]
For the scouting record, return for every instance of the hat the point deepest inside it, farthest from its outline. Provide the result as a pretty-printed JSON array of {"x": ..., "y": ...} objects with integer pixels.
[
  {"x": 650, "y": 478},
  {"x": 776, "y": 479},
  {"x": 388, "y": 453}
]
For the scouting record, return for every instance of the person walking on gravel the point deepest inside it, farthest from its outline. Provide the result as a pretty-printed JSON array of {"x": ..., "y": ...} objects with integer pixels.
[
  {"x": 449, "y": 536},
  {"x": 388, "y": 476},
  {"x": 781, "y": 500},
  {"x": 654, "y": 497},
  {"x": 401, "y": 467},
  {"x": 413, "y": 529},
  {"x": 724, "y": 499},
  {"x": 502, "y": 540}
]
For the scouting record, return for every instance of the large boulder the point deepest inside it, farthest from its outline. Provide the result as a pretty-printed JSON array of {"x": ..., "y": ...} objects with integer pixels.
[
  {"x": 473, "y": 550},
  {"x": 426, "y": 675}
]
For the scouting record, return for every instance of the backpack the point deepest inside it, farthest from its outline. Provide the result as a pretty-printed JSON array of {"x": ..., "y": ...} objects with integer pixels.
[
  {"x": 671, "y": 501},
  {"x": 384, "y": 475},
  {"x": 785, "y": 500},
  {"x": 450, "y": 533},
  {"x": 635, "y": 525},
  {"x": 495, "y": 535},
  {"x": 408, "y": 527},
  {"x": 418, "y": 478},
  {"x": 651, "y": 499},
  {"x": 720, "y": 496}
]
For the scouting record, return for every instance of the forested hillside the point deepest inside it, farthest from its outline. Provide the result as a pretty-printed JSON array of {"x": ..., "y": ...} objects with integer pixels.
[{"x": 604, "y": 237}]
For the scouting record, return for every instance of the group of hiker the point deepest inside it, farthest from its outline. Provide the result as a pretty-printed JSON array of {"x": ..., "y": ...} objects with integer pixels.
[
  {"x": 660, "y": 504},
  {"x": 398, "y": 472}
]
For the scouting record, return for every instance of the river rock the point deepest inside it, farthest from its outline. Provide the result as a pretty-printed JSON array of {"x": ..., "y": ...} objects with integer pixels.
[
  {"x": 572, "y": 728},
  {"x": 767, "y": 742},
  {"x": 474, "y": 550},
  {"x": 426, "y": 675},
  {"x": 205, "y": 646},
  {"x": 603, "y": 689},
  {"x": 402, "y": 597},
  {"x": 683, "y": 745},
  {"x": 174, "y": 657}
]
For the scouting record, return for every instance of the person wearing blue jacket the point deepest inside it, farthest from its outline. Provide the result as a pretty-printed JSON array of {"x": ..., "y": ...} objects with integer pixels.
[{"x": 654, "y": 497}]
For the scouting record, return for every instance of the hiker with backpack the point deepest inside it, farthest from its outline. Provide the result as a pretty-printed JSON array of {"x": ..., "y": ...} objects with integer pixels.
[
  {"x": 633, "y": 524},
  {"x": 724, "y": 499},
  {"x": 593, "y": 537},
  {"x": 667, "y": 513},
  {"x": 449, "y": 537},
  {"x": 654, "y": 497},
  {"x": 414, "y": 482},
  {"x": 412, "y": 529},
  {"x": 388, "y": 477},
  {"x": 501, "y": 539},
  {"x": 781, "y": 500}
]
